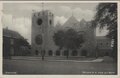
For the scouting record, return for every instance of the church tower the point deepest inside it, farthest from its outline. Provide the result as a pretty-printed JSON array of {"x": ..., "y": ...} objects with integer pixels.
[{"x": 42, "y": 24}]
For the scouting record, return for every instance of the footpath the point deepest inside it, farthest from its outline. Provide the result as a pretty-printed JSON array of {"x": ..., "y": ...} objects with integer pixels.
[{"x": 33, "y": 58}]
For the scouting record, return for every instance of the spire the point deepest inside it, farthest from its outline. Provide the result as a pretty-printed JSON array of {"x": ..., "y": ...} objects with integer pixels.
[
  {"x": 72, "y": 13},
  {"x": 42, "y": 6}
]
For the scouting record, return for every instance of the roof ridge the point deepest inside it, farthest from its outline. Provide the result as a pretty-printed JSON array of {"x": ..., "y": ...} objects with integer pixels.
[
  {"x": 11, "y": 33},
  {"x": 71, "y": 20}
]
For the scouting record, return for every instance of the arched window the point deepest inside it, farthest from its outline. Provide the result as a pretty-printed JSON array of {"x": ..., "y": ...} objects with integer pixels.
[
  {"x": 50, "y": 53},
  {"x": 84, "y": 53},
  {"x": 58, "y": 53},
  {"x": 107, "y": 43},
  {"x": 50, "y": 22},
  {"x": 65, "y": 53},
  {"x": 74, "y": 53},
  {"x": 36, "y": 52},
  {"x": 101, "y": 43}
]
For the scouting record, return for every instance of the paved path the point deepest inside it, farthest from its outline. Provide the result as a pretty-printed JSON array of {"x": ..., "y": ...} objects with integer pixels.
[{"x": 54, "y": 59}]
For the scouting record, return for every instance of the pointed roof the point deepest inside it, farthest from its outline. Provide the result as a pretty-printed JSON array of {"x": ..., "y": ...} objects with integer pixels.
[
  {"x": 58, "y": 24},
  {"x": 83, "y": 23},
  {"x": 71, "y": 22}
]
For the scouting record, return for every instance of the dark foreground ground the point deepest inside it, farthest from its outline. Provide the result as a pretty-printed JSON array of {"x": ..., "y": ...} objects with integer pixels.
[{"x": 57, "y": 67}]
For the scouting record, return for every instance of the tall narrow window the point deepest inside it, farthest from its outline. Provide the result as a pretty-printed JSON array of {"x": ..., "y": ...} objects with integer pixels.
[
  {"x": 12, "y": 51},
  {"x": 36, "y": 52},
  {"x": 101, "y": 44},
  {"x": 11, "y": 41}
]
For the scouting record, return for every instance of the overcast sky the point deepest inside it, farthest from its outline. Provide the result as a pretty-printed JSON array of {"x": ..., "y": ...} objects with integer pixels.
[{"x": 17, "y": 16}]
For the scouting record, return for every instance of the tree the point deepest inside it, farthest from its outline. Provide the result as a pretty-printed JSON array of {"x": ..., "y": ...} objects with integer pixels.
[
  {"x": 23, "y": 42},
  {"x": 24, "y": 46},
  {"x": 69, "y": 39},
  {"x": 73, "y": 39},
  {"x": 59, "y": 38},
  {"x": 106, "y": 15}
]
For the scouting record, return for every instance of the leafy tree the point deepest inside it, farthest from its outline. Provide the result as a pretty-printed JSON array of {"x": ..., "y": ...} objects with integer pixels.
[
  {"x": 23, "y": 42},
  {"x": 69, "y": 39},
  {"x": 106, "y": 15},
  {"x": 59, "y": 38},
  {"x": 73, "y": 39},
  {"x": 24, "y": 46}
]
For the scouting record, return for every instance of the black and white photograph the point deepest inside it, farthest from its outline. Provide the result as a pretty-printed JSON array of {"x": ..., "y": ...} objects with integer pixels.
[{"x": 59, "y": 38}]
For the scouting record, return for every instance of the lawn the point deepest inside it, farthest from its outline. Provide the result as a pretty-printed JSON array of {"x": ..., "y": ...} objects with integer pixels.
[{"x": 57, "y": 67}]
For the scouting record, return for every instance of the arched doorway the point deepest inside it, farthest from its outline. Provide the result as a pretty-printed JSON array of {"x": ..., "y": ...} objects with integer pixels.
[
  {"x": 36, "y": 52},
  {"x": 84, "y": 53},
  {"x": 50, "y": 52},
  {"x": 74, "y": 53},
  {"x": 58, "y": 53},
  {"x": 65, "y": 53},
  {"x": 106, "y": 54}
]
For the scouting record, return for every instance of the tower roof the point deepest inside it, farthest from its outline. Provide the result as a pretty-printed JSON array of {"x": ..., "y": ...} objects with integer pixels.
[{"x": 43, "y": 12}]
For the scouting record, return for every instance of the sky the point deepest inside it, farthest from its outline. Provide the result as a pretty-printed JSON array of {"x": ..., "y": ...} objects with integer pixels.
[{"x": 17, "y": 16}]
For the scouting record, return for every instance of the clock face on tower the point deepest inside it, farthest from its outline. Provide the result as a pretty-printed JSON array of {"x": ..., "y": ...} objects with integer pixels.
[
  {"x": 38, "y": 39},
  {"x": 39, "y": 21}
]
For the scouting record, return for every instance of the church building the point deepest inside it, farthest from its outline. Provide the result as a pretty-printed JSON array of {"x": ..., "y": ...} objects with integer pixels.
[{"x": 43, "y": 30}]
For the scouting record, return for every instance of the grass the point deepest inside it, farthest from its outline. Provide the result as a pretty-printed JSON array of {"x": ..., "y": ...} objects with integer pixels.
[{"x": 57, "y": 68}]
